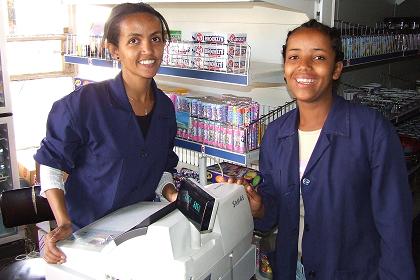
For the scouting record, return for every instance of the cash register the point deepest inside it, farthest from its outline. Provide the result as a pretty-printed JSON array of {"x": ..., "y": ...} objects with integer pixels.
[{"x": 205, "y": 234}]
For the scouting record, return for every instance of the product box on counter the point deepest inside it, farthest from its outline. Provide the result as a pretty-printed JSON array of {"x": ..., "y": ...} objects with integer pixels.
[
  {"x": 27, "y": 166},
  {"x": 228, "y": 172}
]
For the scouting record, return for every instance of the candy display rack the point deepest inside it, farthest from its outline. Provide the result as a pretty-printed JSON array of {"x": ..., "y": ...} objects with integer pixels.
[
  {"x": 253, "y": 134},
  {"x": 218, "y": 62}
]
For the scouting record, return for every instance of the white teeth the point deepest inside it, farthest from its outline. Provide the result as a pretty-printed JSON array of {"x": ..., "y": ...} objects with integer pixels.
[
  {"x": 305, "y": 81},
  {"x": 148, "y": 61}
]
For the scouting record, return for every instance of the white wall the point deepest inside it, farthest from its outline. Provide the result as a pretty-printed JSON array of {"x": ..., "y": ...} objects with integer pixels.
[
  {"x": 266, "y": 26},
  {"x": 31, "y": 103}
]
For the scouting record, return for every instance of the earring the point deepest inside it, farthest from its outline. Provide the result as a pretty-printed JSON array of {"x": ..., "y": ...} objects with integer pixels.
[{"x": 118, "y": 58}]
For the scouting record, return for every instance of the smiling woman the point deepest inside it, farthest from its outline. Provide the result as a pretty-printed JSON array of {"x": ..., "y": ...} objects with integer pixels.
[
  {"x": 310, "y": 67},
  {"x": 114, "y": 138},
  {"x": 137, "y": 41},
  {"x": 335, "y": 181}
]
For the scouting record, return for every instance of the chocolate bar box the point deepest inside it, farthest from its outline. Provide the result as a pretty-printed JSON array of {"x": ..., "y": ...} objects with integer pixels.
[{"x": 228, "y": 172}]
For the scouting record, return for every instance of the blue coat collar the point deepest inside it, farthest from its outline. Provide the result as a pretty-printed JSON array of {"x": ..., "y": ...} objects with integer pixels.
[
  {"x": 338, "y": 120},
  {"x": 119, "y": 95}
]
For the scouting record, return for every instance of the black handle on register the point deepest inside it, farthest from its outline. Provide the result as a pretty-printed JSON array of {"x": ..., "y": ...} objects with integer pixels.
[{"x": 24, "y": 206}]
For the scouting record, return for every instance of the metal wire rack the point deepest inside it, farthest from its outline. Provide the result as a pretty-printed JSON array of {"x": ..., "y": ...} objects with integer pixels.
[{"x": 208, "y": 58}]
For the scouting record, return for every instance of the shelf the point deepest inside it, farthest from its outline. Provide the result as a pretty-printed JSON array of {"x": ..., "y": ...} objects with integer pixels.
[
  {"x": 260, "y": 73},
  {"x": 349, "y": 64},
  {"x": 229, "y": 78},
  {"x": 242, "y": 159},
  {"x": 88, "y": 61}
]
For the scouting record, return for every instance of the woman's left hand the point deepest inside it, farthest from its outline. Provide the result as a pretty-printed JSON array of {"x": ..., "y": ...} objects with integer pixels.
[{"x": 170, "y": 193}]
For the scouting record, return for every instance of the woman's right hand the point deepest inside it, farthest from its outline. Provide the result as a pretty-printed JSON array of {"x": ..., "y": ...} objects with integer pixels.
[
  {"x": 51, "y": 253},
  {"x": 255, "y": 202}
]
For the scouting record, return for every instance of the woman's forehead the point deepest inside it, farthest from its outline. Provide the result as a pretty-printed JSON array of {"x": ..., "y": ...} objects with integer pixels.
[{"x": 305, "y": 37}]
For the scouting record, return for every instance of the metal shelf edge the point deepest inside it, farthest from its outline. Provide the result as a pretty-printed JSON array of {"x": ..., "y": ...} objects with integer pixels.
[
  {"x": 354, "y": 62},
  {"x": 216, "y": 152},
  {"x": 230, "y": 78}
]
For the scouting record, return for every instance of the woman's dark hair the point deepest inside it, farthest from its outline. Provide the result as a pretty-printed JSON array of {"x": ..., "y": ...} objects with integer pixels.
[
  {"x": 112, "y": 25},
  {"x": 331, "y": 32}
]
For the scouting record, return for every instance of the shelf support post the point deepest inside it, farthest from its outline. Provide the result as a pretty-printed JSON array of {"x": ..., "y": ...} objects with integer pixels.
[
  {"x": 325, "y": 11},
  {"x": 202, "y": 167}
]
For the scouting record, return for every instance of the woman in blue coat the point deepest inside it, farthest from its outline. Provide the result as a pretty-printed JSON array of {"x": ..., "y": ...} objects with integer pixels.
[
  {"x": 115, "y": 138},
  {"x": 335, "y": 184}
]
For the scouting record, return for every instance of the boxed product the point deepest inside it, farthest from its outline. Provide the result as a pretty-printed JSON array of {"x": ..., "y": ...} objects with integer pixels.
[
  {"x": 219, "y": 51},
  {"x": 230, "y": 65},
  {"x": 228, "y": 172},
  {"x": 176, "y": 35},
  {"x": 221, "y": 38}
]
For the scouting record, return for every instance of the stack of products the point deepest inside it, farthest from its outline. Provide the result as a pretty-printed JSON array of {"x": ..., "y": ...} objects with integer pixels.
[
  {"x": 223, "y": 52},
  {"x": 223, "y": 121}
]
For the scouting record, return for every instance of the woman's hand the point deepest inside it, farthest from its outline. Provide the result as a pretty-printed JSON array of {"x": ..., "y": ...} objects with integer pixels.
[
  {"x": 51, "y": 253},
  {"x": 169, "y": 192},
  {"x": 255, "y": 202}
]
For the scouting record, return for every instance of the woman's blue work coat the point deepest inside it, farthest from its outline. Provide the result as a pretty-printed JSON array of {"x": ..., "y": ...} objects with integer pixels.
[
  {"x": 358, "y": 207},
  {"x": 93, "y": 135}
]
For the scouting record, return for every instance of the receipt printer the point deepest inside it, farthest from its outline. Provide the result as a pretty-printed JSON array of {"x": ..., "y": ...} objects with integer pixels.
[{"x": 205, "y": 234}]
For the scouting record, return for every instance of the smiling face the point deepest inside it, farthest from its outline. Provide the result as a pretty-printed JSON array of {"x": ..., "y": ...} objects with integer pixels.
[
  {"x": 309, "y": 65},
  {"x": 140, "y": 46}
]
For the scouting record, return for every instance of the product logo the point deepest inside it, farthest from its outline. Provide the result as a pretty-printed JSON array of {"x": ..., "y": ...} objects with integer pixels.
[
  {"x": 199, "y": 50},
  {"x": 237, "y": 201},
  {"x": 237, "y": 39},
  {"x": 214, "y": 39},
  {"x": 199, "y": 37},
  {"x": 214, "y": 51},
  {"x": 214, "y": 64}
]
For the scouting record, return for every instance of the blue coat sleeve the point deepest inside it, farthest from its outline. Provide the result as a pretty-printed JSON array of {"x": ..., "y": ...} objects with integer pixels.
[
  {"x": 266, "y": 189},
  {"x": 391, "y": 204},
  {"x": 62, "y": 142}
]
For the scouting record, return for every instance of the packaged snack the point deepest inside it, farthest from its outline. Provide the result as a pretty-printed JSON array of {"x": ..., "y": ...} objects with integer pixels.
[{"x": 228, "y": 172}]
